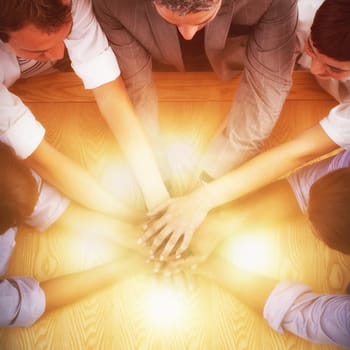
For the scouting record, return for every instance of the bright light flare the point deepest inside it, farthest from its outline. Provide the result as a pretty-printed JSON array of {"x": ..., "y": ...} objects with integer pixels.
[
  {"x": 165, "y": 306},
  {"x": 252, "y": 252},
  {"x": 182, "y": 156}
]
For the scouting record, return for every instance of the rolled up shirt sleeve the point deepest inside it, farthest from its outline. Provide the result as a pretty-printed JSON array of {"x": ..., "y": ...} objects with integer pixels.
[
  {"x": 302, "y": 179},
  {"x": 22, "y": 301},
  {"x": 92, "y": 58},
  {"x": 337, "y": 125},
  {"x": 320, "y": 318},
  {"x": 18, "y": 127}
]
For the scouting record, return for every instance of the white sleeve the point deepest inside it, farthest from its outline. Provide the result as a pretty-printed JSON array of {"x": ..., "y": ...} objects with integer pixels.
[
  {"x": 18, "y": 127},
  {"x": 337, "y": 125},
  {"x": 49, "y": 207},
  {"x": 7, "y": 244},
  {"x": 301, "y": 180},
  {"x": 22, "y": 301},
  {"x": 320, "y": 318},
  {"x": 92, "y": 58}
]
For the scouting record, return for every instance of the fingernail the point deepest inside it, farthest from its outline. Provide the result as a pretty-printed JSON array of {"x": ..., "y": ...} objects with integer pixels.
[
  {"x": 178, "y": 256},
  {"x": 144, "y": 226},
  {"x": 161, "y": 258},
  {"x": 139, "y": 241}
]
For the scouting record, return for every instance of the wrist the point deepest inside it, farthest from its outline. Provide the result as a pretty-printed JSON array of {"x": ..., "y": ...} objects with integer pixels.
[{"x": 205, "y": 196}]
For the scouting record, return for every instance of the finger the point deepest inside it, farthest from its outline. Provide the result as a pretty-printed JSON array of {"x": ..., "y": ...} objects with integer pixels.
[
  {"x": 186, "y": 242},
  {"x": 151, "y": 230},
  {"x": 157, "y": 266},
  {"x": 189, "y": 281},
  {"x": 158, "y": 241},
  {"x": 175, "y": 237}
]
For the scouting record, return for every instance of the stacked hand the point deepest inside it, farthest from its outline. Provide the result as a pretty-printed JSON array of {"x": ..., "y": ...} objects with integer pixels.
[{"x": 172, "y": 224}]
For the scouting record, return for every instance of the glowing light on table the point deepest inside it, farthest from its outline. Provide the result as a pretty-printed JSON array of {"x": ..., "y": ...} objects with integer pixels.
[
  {"x": 252, "y": 252},
  {"x": 165, "y": 306},
  {"x": 181, "y": 156}
]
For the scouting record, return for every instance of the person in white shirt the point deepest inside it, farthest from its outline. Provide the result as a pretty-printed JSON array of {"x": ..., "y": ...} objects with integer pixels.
[
  {"x": 26, "y": 199},
  {"x": 321, "y": 191},
  {"x": 34, "y": 33},
  {"x": 286, "y": 306},
  {"x": 327, "y": 45}
]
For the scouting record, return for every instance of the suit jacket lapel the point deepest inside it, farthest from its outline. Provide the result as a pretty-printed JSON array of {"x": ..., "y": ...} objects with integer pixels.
[
  {"x": 166, "y": 37},
  {"x": 217, "y": 30}
]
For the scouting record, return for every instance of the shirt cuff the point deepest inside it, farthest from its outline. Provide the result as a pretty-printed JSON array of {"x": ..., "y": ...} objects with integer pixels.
[
  {"x": 98, "y": 71},
  {"x": 24, "y": 136},
  {"x": 336, "y": 125},
  {"x": 27, "y": 302},
  {"x": 280, "y": 301}
]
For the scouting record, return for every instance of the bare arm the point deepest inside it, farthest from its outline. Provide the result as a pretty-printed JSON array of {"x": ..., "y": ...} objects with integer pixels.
[
  {"x": 68, "y": 289},
  {"x": 319, "y": 318},
  {"x": 73, "y": 181},
  {"x": 269, "y": 166},
  {"x": 239, "y": 282},
  {"x": 181, "y": 216},
  {"x": 120, "y": 115}
]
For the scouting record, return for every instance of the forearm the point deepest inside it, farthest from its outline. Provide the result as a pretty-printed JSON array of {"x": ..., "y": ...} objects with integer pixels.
[
  {"x": 250, "y": 288},
  {"x": 73, "y": 181},
  {"x": 68, "y": 289},
  {"x": 267, "y": 167},
  {"x": 273, "y": 203},
  {"x": 91, "y": 224},
  {"x": 120, "y": 115}
]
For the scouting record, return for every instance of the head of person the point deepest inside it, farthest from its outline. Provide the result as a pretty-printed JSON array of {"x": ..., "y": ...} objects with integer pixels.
[
  {"x": 189, "y": 16},
  {"x": 35, "y": 29},
  {"x": 329, "y": 207},
  {"x": 18, "y": 189},
  {"x": 329, "y": 41}
]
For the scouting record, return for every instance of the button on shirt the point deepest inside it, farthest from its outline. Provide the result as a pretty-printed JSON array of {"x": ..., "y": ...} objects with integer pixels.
[
  {"x": 92, "y": 60},
  {"x": 22, "y": 301}
]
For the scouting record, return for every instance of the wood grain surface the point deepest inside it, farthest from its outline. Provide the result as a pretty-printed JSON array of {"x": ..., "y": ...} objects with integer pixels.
[{"x": 192, "y": 109}]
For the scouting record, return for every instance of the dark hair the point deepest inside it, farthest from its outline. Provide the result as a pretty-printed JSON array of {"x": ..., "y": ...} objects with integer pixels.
[
  {"x": 184, "y": 7},
  {"x": 330, "y": 31},
  {"x": 47, "y": 15},
  {"x": 18, "y": 189},
  {"x": 329, "y": 209}
]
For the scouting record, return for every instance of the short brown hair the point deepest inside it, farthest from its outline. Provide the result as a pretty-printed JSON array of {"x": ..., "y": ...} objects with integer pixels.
[
  {"x": 330, "y": 30},
  {"x": 184, "y": 7},
  {"x": 329, "y": 209},
  {"x": 18, "y": 189},
  {"x": 48, "y": 15}
]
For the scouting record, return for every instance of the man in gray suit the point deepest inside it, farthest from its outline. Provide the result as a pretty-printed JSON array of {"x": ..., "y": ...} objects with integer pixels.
[{"x": 256, "y": 36}]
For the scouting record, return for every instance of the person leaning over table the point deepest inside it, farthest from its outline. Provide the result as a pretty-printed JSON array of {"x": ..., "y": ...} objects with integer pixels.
[
  {"x": 26, "y": 199},
  {"x": 287, "y": 306},
  {"x": 321, "y": 192},
  {"x": 34, "y": 35},
  {"x": 328, "y": 47},
  {"x": 226, "y": 36}
]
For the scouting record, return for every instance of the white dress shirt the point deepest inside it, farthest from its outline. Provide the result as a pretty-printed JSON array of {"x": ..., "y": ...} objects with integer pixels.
[
  {"x": 22, "y": 301},
  {"x": 92, "y": 60}
]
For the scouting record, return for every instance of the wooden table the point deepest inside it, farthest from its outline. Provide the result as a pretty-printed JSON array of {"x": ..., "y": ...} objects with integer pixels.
[{"x": 192, "y": 108}]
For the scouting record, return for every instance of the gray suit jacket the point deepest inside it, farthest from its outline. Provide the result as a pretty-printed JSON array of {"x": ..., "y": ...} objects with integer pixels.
[{"x": 262, "y": 44}]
